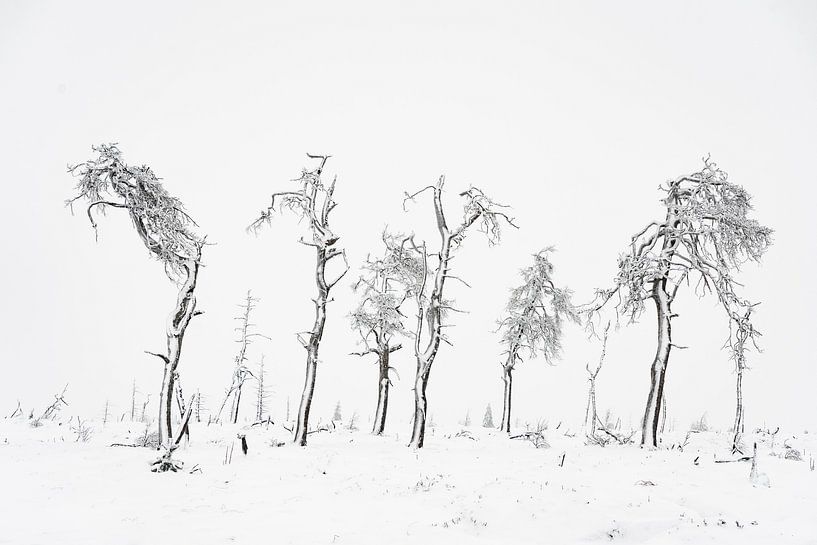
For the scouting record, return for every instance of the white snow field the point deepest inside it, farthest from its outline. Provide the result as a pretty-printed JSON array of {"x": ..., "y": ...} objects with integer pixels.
[{"x": 352, "y": 488}]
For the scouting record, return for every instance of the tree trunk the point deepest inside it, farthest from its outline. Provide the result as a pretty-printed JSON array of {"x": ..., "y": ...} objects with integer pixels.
[
  {"x": 176, "y": 327},
  {"x": 382, "y": 393},
  {"x": 649, "y": 425},
  {"x": 738, "y": 430},
  {"x": 507, "y": 378},
  {"x": 302, "y": 425},
  {"x": 236, "y": 402},
  {"x": 418, "y": 431}
]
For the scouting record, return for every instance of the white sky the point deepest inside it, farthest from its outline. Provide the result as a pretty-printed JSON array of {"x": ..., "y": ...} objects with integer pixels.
[{"x": 572, "y": 113}]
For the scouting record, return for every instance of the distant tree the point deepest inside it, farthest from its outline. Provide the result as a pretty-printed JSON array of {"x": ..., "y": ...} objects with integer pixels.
[
  {"x": 312, "y": 202},
  {"x": 337, "y": 416},
  {"x": 467, "y": 420},
  {"x": 488, "y": 419},
  {"x": 133, "y": 401},
  {"x": 378, "y": 319},
  {"x": 241, "y": 371},
  {"x": 428, "y": 285},
  {"x": 165, "y": 229},
  {"x": 261, "y": 393},
  {"x": 532, "y": 324},
  {"x": 706, "y": 234},
  {"x": 106, "y": 412}
]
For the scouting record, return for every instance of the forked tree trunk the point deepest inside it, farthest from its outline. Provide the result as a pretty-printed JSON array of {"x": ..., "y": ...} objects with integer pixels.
[
  {"x": 418, "y": 431},
  {"x": 176, "y": 327},
  {"x": 302, "y": 425},
  {"x": 382, "y": 392},
  {"x": 649, "y": 425},
  {"x": 507, "y": 378}
]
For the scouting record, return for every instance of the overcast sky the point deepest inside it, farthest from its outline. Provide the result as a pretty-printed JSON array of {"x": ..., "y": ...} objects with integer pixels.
[{"x": 572, "y": 113}]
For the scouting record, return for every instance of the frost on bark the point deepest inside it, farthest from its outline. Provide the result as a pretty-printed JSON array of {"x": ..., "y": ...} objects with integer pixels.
[
  {"x": 427, "y": 284},
  {"x": 532, "y": 325},
  {"x": 166, "y": 230},
  {"x": 378, "y": 319},
  {"x": 313, "y": 202},
  {"x": 706, "y": 234}
]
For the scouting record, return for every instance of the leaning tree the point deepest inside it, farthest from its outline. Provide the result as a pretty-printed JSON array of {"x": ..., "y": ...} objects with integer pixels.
[
  {"x": 532, "y": 324},
  {"x": 428, "y": 286},
  {"x": 312, "y": 201},
  {"x": 706, "y": 234},
  {"x": 166, "y": 230},
  {"x": 377, "y": 317}
]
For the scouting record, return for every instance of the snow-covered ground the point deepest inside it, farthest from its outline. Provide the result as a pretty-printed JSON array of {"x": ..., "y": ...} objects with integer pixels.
[{"x": 350, "y": 487}]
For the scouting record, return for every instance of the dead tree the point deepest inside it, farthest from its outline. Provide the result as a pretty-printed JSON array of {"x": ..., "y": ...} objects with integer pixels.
[
  {"x": 197, "y": 408},
  {"x": 241, "y": 372},
  {"x": 377, "y": 318},
  {"x": 313, "y": 202},
  {"x": 591, "y": 415},
  {"x": 166, "y": 230},
  {"x": 144, "y": 408},
  {"x": 133, "y": 401},
  {"x": 54, "y": 408},
  {"x": 261, "y": 394},
  {"x": 105, "y": 412},
  {"x": 535, "y": 314},
  {"x": 428, "y": 285},
  {"x": 705, "y": 235},
  {"x": 741, "y": 331}
]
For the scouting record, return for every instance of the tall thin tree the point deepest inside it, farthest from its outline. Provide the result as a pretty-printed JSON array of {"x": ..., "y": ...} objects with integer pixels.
[
  {"x": 313, "y": 202},
  {"x": 428, "y": 285},
  {"x": 241, "y": 371},
  {"x": 533, "y": 320},
  {"x": 166, "y": 230},
  {"x": 705, "y": 234}
]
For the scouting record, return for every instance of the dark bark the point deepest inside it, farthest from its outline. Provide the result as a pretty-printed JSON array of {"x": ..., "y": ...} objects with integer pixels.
[
  {"x": 382, "y": 392},
  {"x": 649, "y": 424},
  {"x": 176, "y": 328}
]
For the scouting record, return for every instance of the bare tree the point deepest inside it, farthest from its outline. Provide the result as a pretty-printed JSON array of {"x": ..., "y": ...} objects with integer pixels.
[
  {"x": 241, "y": 371},
  {"x": 313, "y": 202},
  {"x": 591, "y": 416},
  {"x": 198, "y": 406},
  {"x": 378, "y": 319},
  {"x": 106, "y": 412},
  {"x": 427, "y": 286},
  {"x": 706, "y": 234},
  {"x": 261, "y": 393},
  {"x": 133, "y": 401},
  {"x": 534, "y": 316},
  {"x": 165, "y": 229},
  {"x": 741, "y": 331},
  {"x": 54, "y": 408}
]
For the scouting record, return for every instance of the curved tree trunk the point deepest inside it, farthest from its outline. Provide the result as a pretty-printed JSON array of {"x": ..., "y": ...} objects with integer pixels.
[
  {"x": 649, "y": 425},
  {"x": 382, "y": 392},
  {"x": 176, "y": 327},
  {"x": 302, "y": 425},
  {"x": 507, "y": 378},
  {"x": 418, "y": 431}
]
